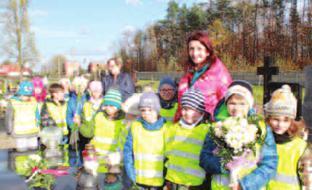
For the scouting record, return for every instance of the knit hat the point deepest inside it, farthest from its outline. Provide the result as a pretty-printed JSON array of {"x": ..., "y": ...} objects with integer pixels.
[
  {"x": 38, "y": 83},
  {"x": 242, "y": 88},
  {"x": 151, "y": 100},
  {"x": 282, "y": 103},
  {"x": 96, "y": 86},
  {"x": 25, "y": 88},
  {"x": 131, "y": 105},
  {"x": 194, "y": 99},
  {"x": 113, "y": 98},
  {"x": 167, "y": 80}
]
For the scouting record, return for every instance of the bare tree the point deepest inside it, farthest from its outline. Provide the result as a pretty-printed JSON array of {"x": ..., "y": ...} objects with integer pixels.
[{"x": 19, "y": 40}]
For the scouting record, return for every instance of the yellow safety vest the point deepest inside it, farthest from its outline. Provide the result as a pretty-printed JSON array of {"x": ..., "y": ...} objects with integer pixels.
[
  {"x": 106, "y": 137},
  {"x": 183, "y": 148},
  {"x": 25, "y": 122},
  {"x": 148, "y": 150},
  {"x": 168, "y": 114},
  {"x": 288, "y": 156},
  {"x": 89, "y": 110},
  {"x": 222, "y": 181},
  {"x": 58, "y": 114}
]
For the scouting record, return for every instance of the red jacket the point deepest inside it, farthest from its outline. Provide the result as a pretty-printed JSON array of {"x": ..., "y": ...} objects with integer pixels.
[{"x": 213, "y": 84}]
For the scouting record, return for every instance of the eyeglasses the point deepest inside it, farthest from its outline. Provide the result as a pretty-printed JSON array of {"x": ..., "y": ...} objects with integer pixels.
[{"x": 167, "y": 90}]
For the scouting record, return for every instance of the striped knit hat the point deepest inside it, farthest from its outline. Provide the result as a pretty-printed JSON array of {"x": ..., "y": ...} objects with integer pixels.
[
  {"x": 113, "y": 98},
  {"x": 194, "y": 99}
]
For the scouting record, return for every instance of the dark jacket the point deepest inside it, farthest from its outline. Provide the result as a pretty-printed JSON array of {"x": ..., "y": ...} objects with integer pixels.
[{"x": 124, "y": 83}]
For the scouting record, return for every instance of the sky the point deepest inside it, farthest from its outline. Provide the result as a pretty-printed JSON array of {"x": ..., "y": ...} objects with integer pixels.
[{"x": 89, "y": 30}]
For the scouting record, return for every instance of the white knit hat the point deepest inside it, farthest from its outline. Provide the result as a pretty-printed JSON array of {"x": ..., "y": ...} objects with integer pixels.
[
  {"x": 242, "y": 88},
  {"x": 282, "y": 103}
]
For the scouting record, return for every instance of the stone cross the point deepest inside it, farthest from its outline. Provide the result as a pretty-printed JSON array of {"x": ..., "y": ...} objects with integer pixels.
[{"x": 267, "y": 71}]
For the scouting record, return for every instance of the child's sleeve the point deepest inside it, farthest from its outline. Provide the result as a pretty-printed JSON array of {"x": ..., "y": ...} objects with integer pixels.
[
  {"x": 46, "y": 120},
  {"x": 208, "y": 161},
  {"x": 70, "y": 113},
  {"x": 128, "y": 157},
  {"x": 266, "y": 167}
]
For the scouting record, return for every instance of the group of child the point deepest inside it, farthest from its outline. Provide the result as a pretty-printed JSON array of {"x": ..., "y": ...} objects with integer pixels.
[{"x": 156, "y": 153}]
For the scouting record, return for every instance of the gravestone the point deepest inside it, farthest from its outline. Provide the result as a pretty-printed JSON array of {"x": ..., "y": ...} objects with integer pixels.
[
  {"x": 307, "y": 104},
  {"x": 269, "y": 86},
  {"x": 267, "y": 71}
]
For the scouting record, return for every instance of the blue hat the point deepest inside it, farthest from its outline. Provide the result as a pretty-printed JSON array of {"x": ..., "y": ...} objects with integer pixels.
[
  {"x": 25, "y": 88},
  {"x": 167, "y": 80}
]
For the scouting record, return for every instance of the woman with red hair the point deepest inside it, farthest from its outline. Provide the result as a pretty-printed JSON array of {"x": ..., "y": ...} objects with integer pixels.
[{"x": 205, "y": 72}]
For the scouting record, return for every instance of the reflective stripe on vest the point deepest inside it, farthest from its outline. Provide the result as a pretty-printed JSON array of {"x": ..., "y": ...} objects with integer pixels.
[
  {"x": 149, "y": 173},
  {"x": 24, "y": 121},
  {"x": 182, "y": 150},
  {"x": 185, "y": 139},
  {"x": 149, "y": 157},
  {"x": 292, "y": 180},
  {"x": 198, "y": 173},
  {"x": 288, "y": 157},
  {"x": 148, "y": 150},
  {"x": 105, "y": 140},
  {"x": 58, "y": 114}
]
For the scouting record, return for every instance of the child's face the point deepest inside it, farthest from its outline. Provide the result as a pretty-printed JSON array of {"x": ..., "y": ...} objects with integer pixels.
[
  {"x": 58, "y": 96},
  {"x": 111, "y": 110},
  {"x": 149, "y": 114},
  {"x": 280, "y": 124},
  {"x": 166, "y": 92},
  {"x": 190, "y": 115},
  {"x": 237, "y": 106},
  {"x": 96, "y": 94}
]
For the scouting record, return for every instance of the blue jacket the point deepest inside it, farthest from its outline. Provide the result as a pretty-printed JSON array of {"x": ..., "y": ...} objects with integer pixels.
[
  {"x": 74, "y": 106},
  {"x": 255, "y": 180},
  {"x": 128, "y": 148},
  {"x": 124, "y": 83}
]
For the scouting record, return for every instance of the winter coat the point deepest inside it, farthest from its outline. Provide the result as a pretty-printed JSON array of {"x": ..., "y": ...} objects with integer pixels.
[
  {"x": 213, "y": 83},
  {"x": 124, "y": 83}
]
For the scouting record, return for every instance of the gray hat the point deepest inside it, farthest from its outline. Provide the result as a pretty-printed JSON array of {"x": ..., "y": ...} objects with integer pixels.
[{"x": 151, "y": 100}]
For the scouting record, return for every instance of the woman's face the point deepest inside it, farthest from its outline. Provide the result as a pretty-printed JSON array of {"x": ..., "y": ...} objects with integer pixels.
[
  {"x": 280, "y": 124},
  {"x": 190, "y": 116},
  {"x": 166, "y": 92},
  {"x": 197, "y": 52},
  {"x": 113, "y": 67}
]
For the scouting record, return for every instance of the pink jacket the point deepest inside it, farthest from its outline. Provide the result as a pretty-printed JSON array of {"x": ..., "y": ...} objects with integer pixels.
[{"x": 213, "y": 84}]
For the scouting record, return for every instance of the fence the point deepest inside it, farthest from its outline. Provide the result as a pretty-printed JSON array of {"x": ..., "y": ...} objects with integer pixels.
[{"x": 252, "y": 77}]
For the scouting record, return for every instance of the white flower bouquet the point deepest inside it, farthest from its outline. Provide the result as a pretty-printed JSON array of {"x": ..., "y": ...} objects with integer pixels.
[{"x": 236, "y": 140}]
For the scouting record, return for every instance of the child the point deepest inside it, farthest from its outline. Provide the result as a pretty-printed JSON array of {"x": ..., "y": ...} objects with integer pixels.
[
  {"x": 65, "y": 82},
  {"x": 239, "y": 100},
  {"x": 280, "y": 114},
  {"x": 145, "y": 145},
  {"x": 39, "y": 89},
  {"x": 53, "y": 111},
  {"x": 168, "y": 99},
  {"x": 90, "y": 108},
  {"x": 77, "y": 97},
  {"x": 107, "y": 128},
  {"x": 184, "y": 142},
  {"x": 22, "y": 117}
]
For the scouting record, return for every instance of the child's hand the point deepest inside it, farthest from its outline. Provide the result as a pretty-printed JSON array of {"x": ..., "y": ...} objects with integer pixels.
[
  {"x": 235, "y": 187},
  {"x": 77, "y": 119}
]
